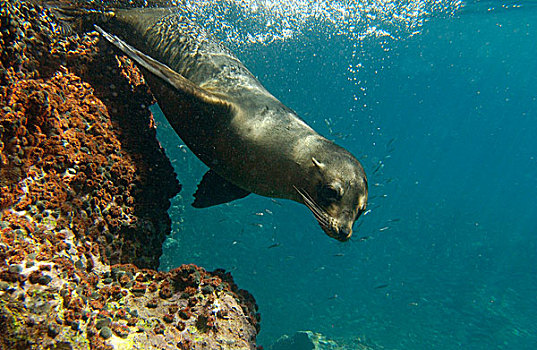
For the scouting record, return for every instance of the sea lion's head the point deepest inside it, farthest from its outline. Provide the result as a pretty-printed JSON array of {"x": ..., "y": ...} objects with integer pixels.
[{"x": 336, "y": 193}]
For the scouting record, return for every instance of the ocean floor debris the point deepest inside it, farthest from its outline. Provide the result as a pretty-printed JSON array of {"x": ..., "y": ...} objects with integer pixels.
[{"x": 85, "y": 187}]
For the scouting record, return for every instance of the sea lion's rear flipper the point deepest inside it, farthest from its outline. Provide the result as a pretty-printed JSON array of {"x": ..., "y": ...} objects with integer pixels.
[
  {"x": 176, "y": 80},
  {"x": 214, "y": 189}
]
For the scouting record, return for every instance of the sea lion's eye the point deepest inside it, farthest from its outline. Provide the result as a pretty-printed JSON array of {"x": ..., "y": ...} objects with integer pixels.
[{"x": 331, "y": 193}]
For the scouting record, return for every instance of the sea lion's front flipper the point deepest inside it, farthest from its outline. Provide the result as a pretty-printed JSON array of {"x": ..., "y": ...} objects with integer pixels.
[
  {"x": 165, "y": 73},
  {"x": 214, "y": 189}
]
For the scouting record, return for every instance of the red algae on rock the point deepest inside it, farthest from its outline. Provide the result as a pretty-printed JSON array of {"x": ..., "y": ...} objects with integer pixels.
[{"x": 84, "y": 193}]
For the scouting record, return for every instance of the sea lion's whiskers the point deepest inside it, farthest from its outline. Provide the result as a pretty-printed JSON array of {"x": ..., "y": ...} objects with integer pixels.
[
  {"x": 317, "y": 212},
  {"x": 314, "y": 206},
  {"x": 310, "y": 203},
  {"x": 321, "y": 216},
  {"x": 320, "y": 219}
]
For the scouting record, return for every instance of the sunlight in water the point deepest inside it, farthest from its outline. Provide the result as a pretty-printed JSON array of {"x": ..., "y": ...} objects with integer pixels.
[{"x": 242, "y": 22}]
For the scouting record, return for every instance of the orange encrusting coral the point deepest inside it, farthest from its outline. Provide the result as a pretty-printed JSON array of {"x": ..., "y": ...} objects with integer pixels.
[{"x": 85, "y": 187}]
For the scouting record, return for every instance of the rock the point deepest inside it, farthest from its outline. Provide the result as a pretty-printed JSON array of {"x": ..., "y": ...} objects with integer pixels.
[
  {"x": 44, "y": 279},
  {"x": 79, "y": 265},
  {"x": 53, "y": 330},
  {"x": 4, "y": 286},
  {"x": 15, "y": 269},
  {"x": 305, "y": 340},
  {"x": 83, "y": 213},
  {"x": 105, "y": 332},
  {"x": 104, "y": 322}
]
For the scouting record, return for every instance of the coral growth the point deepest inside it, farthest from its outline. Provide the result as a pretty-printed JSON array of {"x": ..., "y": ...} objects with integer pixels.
[
  {"x": 85, "y": 187},
  {"x": 97, "y": 166},
  {"x": 46, "y": 302}
]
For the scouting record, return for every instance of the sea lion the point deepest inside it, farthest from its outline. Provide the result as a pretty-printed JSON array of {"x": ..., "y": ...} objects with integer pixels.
[{"x": 251, "y": 142}]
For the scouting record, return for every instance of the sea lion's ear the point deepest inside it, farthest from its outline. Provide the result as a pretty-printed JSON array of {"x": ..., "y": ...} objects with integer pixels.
[{"x": 318, "y": 164}]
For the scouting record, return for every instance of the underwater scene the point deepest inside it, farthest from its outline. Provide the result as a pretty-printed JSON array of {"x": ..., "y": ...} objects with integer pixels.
[
  {"x": 437, "y": 100},
  {"x": 115, "y": 234}
]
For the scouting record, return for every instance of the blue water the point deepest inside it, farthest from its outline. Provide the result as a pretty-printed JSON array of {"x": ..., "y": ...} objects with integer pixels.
[{"x": 443, "y": 115}]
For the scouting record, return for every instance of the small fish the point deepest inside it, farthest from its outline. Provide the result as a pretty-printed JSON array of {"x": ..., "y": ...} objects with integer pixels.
[
  {"x": 364, "y": 238},
  {"x": 274, "y": 245},
  {"x": 268, "y": 211},
  {"x": 384, "y": 228},
  {"x": 335, "y": 296},
  {"x": 259, "y": 214},
  {"x": 381, "y": 165},
  {"x": 340, "y": 135},
  {"x": 257, "y": 225},
  {"x": 394, "y": 220},
  {"x": 381, "y": 286},
  {"x": 390, "y": 142},
  {"x": 339, "y": 254},
  {"x": 276, "y": 202}
]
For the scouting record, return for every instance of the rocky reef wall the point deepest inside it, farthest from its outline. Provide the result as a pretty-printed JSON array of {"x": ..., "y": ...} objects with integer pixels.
[{"x": 85, "y": 188}]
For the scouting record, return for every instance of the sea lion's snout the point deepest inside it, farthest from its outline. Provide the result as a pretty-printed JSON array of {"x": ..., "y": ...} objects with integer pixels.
[
  {"x": 343, "y": 234},
  {"x": 336, "y": 225},
  {"x": 341, "y": 229}
]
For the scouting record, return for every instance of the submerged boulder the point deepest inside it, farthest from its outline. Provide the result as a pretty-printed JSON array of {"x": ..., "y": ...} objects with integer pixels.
[
  {"x": 304, "y": 340},
  {"x": 308, "y": 340}
]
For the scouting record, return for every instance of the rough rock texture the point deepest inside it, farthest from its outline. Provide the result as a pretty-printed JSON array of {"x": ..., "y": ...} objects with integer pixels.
[
  {"x": 85, "y": 189},
  {"x": 307, "y": 340},
  {"x": 78, "y": 139},
  {"x": 304, "y": 340}
]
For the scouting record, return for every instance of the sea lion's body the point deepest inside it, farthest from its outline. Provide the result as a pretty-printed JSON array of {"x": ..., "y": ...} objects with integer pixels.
[
  {"x": 254, "y": 150},
  {"x": 233, "y": 124}
]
